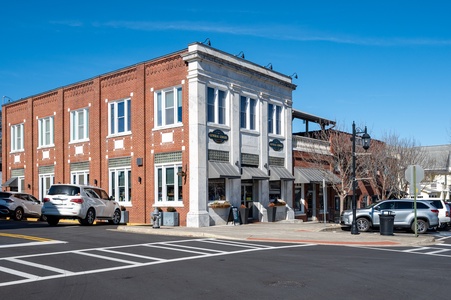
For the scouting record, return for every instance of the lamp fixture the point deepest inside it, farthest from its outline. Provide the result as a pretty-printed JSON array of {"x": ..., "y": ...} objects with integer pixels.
[
  {"x": 8, "y": 98},
  {"x": 269, "y": 66},
  {"x": 139, "y": 179},
  {"x": 95, "y": 182},
  {"x": 241, "y": 55},
  {"x": 294, "y": 75},
  {"x": 366, "y": 140},
  {"x": 207, "y": 42},
  {"x": 183, "y": 173}
]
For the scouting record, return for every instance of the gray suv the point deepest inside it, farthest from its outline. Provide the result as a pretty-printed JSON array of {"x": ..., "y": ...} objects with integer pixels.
[{"x": 366, "y": 218}]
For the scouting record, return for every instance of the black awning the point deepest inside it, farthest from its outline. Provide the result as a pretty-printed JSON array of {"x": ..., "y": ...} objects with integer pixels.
[{"x": 11, "y": 182}]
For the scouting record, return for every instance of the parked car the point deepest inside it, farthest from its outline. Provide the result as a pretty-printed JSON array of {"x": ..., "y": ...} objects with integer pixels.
[
  {"x": 19, "y": 205},
  {"x": 443, "y": 211},
  {"x": 366, "y": 218},
  {"x": 84, "y": 203}
]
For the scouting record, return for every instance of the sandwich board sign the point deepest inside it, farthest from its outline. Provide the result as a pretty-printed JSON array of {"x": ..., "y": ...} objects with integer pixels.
[{"x": 414, "y": 175}]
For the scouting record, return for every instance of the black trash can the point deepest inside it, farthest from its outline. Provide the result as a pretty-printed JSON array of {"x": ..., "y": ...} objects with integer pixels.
[{"x": 387, "y": 220}]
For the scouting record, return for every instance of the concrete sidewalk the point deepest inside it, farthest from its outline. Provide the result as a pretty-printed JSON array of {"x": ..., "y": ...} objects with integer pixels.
[{"x": 289, "y": 232}]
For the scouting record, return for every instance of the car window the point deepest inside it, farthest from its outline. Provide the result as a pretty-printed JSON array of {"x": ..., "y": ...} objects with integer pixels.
[
  {"x": 4, "y": 195},
  {"x": 91, "y": 193},
  {"x": 404, "y": 205},
  {"x": 102, "y": 194},
  {"x": 421, "y": 205},
  {"x": 64, "y": 190},
  {"x": 386, "y": 205},
  {"x": 437, "y": 203}
]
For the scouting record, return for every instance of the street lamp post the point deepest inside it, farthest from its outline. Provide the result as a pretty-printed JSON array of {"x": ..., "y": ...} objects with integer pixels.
[{"x": 366, "y": 139}]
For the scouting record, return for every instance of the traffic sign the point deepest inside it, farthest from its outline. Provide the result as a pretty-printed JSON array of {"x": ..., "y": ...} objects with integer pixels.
[{"x": 414, "y": 175}]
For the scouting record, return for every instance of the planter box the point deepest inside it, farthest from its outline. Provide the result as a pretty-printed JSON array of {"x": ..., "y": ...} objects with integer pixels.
[
  {"x": 124, "y": 217},
  {"x": 218, "y": 216},
  {"x": 244, "y": 215},
  {"x": 170, "y": 218},
  {"x": 276, "y": 213}
]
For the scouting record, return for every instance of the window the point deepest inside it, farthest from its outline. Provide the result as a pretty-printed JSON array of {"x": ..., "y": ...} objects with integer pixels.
[
  {"x": 169, "y": 183},
  {"x": 216, "y": 189},
  {"x": 274, "y": 119},
  {"x": 80, "y": 177},
  {"x": 45, "y": 128},
  {"x": 121, "y": 185},
  {"x": 248, "y": 108},
  {"x": 45, "y": 181},
  {"x": 120, "y": 117},
  {"x": 17, "y": 137},
  {"x": 216, "y": 106},
  {"x": 79, "y": 122},
  {"x": 169, "y": 107}
]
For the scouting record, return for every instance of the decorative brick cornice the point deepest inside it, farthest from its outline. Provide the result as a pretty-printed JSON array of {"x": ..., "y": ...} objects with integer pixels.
[
  {"x": 164, "y": 65},
  {"x": 119, "y": 77},
  {"x": 79, "y": 89}
]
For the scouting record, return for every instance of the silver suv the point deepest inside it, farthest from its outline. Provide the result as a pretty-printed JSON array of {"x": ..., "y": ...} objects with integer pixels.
[
  {"x": 427, "y": 215},
  {"x": 19, "y": 205},
  {"x": 84, "y": 203}
]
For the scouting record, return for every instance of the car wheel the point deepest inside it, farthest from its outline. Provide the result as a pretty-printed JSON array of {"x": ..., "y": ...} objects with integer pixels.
[
  {"x": 422, "y": 226},
  {"x": 363, "y": 225},
  {"x": 52, "y": 221},
  {"x": 116, "y": 218},
  {"x": 18, "y": 214},
  {"x": 90, "y": 217}
]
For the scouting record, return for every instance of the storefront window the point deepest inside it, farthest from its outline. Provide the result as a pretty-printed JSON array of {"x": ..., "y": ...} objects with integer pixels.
[
  {"x": 216, "y": 189},
  {"x": 274, "y": 190}
]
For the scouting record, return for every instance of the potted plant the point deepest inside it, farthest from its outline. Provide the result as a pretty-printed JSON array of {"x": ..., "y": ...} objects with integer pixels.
[
  {"x": 244, "y": 214},
  {"x": 219, "y": 212},
  {"x": 124, "y": 215},
  {"x": 272, "y": 209},
  {"x": 171, "y": 217}
]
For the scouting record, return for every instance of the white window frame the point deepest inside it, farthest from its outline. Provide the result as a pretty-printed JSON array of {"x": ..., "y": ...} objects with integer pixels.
[
  {"x": 115, "y": 185},
  {"x": 275, "y": 125},
  {"x": 46, "y": 132},
  {"x": 162, "y": 110},
  {"x": 76, "y": 127},
  {"x": 45, "y": 182},
  {"x": 165, "y": 198},
  {"x": 250, "y": 113},
  {"x": 113, "y": 117},
  {"x": 76, "y": 175},
  {"x": 219, "y": 113},
  {"x": 17, "y": 138}
]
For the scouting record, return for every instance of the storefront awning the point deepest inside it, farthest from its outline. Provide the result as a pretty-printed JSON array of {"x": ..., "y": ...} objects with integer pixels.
[
  {"x": 308, "y": 175},
  {"x": 218, "y": 169},
  {"x": 280, "y": 173},
  {"x": 12, "y": 182},
  {"x": 253, "y": 173}
]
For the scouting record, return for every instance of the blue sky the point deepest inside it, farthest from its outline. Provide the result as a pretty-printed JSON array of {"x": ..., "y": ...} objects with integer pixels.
[{"x": 383, "y": 64}]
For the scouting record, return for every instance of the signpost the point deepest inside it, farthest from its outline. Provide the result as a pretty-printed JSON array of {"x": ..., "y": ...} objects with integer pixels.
[{"x": 414, "y": 174}]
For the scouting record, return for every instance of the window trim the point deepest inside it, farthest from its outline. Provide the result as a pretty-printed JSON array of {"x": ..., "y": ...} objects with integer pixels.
[
  {"x": 160, "y": 108},
  {"x": 42, "y": 134},
  {"x": 178, "y": 182},
  {"x": 127, "y": 184},
  {"x": 275, "y": 117},
  {"x": 15, "y": 139},
  {"x": 248, "y": 113},
  {"x": 220, "y": 112},
  {"x": 74, "y": 125},
  {"x": 127, "y": 117}
]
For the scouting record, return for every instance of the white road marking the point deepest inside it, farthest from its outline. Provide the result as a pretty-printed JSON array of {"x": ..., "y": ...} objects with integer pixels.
[{"x": 173, "y": 245}]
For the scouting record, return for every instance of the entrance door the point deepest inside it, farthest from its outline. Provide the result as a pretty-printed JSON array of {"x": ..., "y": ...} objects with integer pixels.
[{"x": 247, "y": 196}]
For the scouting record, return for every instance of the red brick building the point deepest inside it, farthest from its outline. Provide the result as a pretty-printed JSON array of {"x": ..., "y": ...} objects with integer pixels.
[{"x": 145, "y": 134}]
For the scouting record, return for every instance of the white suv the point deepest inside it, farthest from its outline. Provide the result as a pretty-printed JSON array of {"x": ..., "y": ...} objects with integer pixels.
[{"x": 85, "y": 203}]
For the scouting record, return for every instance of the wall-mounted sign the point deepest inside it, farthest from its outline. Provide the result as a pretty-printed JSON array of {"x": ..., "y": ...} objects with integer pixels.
[
  {"x": 276, "y": 145},
  {"x": 218, "y": 136}
]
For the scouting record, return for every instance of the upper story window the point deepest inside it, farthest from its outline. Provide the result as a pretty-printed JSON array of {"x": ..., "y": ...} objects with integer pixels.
[
  {"x": 169, "y": 107},
  {"x": 274, "y": 119},
  {"x": 79, "y": 122},
  {"x": 17, "y": 137},
  {"x": 120, "y": 117},
  {"x": 248, "y": 113},
  {"x": 216, "y": 103},
  {"x": 45, "y": 129}
]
